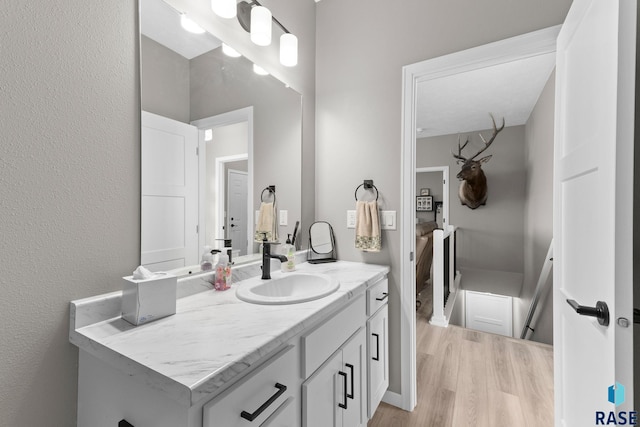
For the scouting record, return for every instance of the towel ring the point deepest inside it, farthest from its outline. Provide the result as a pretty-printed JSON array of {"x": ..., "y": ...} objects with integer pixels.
[
  {"x": 272, "y": 190},
  {"x": 367, "y": 185}
]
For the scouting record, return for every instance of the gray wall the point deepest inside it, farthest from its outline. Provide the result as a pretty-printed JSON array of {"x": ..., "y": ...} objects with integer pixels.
[
  {"x": 70, "y": 180},
  {"x": 490, "y": 237},
  {"x": 69, "y": 188},
  {"x": 538, "y": 214},
  {"x": 164, "y": 81},
  {"x": 361, "y": 48}
]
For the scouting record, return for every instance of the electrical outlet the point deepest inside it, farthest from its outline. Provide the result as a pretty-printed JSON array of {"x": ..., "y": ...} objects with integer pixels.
[
  {"x": 351, "y": 219},
  {"x": 284, "y": 217}
]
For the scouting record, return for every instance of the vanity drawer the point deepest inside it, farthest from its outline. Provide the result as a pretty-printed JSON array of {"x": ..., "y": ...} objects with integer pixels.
[
  {"x": 324, "y": 340},
  {"x": 261, "y": 393},
  {"x": 377, "y": 296}
]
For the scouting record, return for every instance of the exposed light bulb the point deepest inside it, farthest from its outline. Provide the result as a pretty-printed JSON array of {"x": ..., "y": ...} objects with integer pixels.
[
  {"x": 288, "y": 50},
  {"x": 261, "y": 26},
  {"x": 189, "y": 25},
  {"x": 224, "y": 8},
  {"x": 229, "y": 51},
  {"x": 259, "y": 70}
]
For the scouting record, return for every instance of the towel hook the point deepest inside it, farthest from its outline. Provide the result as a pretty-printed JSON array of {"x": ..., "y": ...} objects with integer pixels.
[
  {"x": 271, "y": 189},
  {"x": 368, "y": 185}
]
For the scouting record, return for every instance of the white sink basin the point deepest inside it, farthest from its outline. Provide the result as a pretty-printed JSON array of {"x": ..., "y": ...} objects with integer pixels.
[{"x": 287, "y": 288}]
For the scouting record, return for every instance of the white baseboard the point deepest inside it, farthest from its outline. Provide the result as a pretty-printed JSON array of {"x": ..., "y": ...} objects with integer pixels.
[{"x": 393, "y": 398}]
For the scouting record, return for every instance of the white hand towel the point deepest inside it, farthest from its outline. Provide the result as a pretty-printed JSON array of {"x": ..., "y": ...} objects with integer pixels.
[
  {"x": 267, "y": 223},
  {"x": 368, "y": 236}
]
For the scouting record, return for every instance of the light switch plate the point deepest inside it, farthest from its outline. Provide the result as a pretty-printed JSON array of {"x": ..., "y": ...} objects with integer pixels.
[
  {"x": 388, "y": 220},
  {"x": 284, "y": 217},
  {"x": 351, "y": 219}
]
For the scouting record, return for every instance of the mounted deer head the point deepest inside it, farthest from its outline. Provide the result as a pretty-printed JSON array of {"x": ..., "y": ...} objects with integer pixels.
[{"x": 473, "y": 185}]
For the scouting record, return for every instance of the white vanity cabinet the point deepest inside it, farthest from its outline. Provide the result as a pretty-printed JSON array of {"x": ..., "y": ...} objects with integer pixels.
[
  {"x": 377, "y": 345},
  {"x": 325, "y": 365}
]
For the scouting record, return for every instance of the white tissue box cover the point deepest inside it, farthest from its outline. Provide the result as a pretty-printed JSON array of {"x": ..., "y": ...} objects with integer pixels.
[{"x": 149, "y": 299}]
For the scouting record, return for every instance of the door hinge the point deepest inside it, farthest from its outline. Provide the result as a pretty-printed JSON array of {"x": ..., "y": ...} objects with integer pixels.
[
  {"x": 197, "y": 151},
  {"x": 197, "y": 229},
  {"x": 411, "y": 256}
]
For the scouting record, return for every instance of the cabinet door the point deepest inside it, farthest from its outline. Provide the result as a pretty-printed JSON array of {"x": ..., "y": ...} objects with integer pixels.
[
  {"x": 354, "y": 365},
  {"x": 377, "y": 358},
  {"x": 322, "y": 393}
]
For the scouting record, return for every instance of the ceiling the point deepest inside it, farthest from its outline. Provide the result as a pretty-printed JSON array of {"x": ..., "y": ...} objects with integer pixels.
[
  {"x": 461, "y": 103},
  {"x": 161, "y": 22}
]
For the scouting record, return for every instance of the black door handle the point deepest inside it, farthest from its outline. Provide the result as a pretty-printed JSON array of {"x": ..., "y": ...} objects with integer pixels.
[
  {"x": 377, "y": 347},
  {"x": 247, "y": 416},
  {"x": 600, "y": 311},
  {"x": 344, "y": 377},
  {"x": 350, "y": 366}
]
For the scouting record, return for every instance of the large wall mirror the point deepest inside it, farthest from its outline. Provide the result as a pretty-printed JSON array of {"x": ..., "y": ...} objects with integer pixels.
[{"x": 215, "y": 134}]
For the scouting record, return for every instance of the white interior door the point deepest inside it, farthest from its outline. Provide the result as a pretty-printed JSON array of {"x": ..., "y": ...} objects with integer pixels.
[
  {"x": 237, "y": 210},
  {"x": 593, "y": 190},
  {"x": 169, "y": 237}
]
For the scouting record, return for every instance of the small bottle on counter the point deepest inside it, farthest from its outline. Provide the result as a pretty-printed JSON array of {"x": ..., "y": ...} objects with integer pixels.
[
  {"x": 289, "y": 251},
  {"x": 222, "y": 273}
]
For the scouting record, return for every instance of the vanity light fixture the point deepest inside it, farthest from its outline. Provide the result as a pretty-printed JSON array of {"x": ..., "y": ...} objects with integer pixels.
[
  {"x": 288, "y": 50},
  {"x": 256, "y": 19},
  {"x": 229, "y": 51},
  {"x": 224, "y": 8},
  {"x": 261, "y": 25},
  {"x": 190, "y": 25}
]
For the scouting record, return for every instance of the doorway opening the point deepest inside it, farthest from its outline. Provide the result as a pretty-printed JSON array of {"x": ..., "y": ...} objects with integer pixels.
[
  {"x": 226, "y": 180},
  {"x": 452, "y": 70}
]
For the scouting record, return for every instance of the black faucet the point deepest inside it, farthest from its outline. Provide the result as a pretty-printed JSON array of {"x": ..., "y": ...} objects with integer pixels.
[{"x": 266, "y": 257}]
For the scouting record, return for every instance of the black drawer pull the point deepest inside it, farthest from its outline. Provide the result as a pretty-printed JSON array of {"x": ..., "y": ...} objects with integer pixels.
[
  {"x": 377, "y": 347},
  {"x": 384, "y": 297},
  {"x": 344, "y": 377},
  {"x": 247, "y": 416},
  {"x": 350, "y": 366}
]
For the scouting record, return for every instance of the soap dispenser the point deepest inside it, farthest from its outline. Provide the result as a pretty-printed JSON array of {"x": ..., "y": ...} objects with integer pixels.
[
  {"x": 222, "y": 273},
  {"x": 289, "y": 251},
  {"x": 206, "y": 263}
]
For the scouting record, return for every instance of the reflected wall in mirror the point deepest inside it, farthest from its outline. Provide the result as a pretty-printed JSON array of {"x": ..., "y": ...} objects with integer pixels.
[
  {"x": 214, "y": 134},
  {"x": 322, "y": 244}
]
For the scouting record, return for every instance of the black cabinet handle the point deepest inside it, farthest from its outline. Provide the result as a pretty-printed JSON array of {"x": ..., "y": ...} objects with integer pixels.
[
  {"x": 350, "y": 366},
  {"x": 124, "y": 423},
  {"x": 377, "y": 347},
  {"x": 600, "y": 311},
  {"x": 247, "y": 416},
  {"x": 344, "y": 377},
  {"x": 384, "y": 297}
]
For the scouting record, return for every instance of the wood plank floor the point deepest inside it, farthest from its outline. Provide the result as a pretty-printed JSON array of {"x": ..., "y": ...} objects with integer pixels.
[{"x": 469, "y": 378}]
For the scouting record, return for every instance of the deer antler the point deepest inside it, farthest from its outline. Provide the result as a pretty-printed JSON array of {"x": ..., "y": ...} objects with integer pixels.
[
  {"x": 496, "y": 131},
  {"x": 459, "y": 155}
]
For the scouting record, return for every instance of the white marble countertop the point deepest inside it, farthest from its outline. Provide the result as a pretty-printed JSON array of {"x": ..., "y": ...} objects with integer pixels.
[{"x": 212, "y": 337}]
